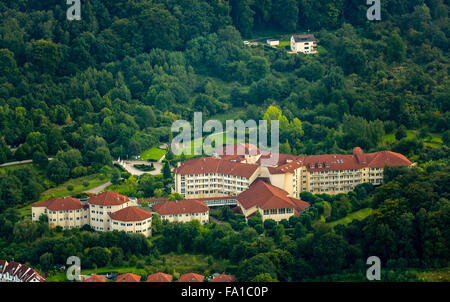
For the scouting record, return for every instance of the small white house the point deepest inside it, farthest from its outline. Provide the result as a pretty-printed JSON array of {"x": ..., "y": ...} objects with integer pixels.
[
  {"x": 306, "y": 44},
  {"x": 273, "y": 42}
]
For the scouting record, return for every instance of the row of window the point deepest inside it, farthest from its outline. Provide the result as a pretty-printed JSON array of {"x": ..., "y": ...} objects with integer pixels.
[
  {"x": 278, "y": 211},
  {"x": 181, "y": 215}
]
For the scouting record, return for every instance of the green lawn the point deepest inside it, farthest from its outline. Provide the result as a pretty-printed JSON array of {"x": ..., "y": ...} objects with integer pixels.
[
  {"x": 442, "y": 275},
  {"x": 15, "y": 167},
  {"x": 358, "y": 215},
  {"x": 283, "y": 44},
  {"x": 433, "y": 141},
  {"x": 94, "y": 180},
  {"x": 154, "y": 153}
]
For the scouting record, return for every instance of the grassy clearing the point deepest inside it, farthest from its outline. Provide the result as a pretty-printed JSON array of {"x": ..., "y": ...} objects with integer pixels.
[
  {"x": 433, "y": 140},
  {"x": 442, "y": 275},
  {"x": 170, "y": 263},
  {"x": 154, "y": 153},
  {"x": 358, "y": 215},
  {"x": 94, "y": 181},
  {"x": 16, "y": 167},
  {"x": 234, "y": 113}
]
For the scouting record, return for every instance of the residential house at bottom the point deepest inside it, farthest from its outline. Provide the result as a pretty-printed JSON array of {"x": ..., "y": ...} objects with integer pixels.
[
  {"x": 93, "y": 278},
  {"x": 224, "y": 278},
  {"x": 16, "y": 272},
  {"x": 191, "y": 277},
  {"x": 183, "y": 211},
  {"x": 270, "y": 201},
  {"x": 128, "y": 277},
  {"x": 159, "y": 277}
]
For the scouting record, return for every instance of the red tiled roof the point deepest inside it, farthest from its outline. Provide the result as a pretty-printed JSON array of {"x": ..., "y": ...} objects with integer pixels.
[
  {"x": 238, "y": 149},
  {"x": 180, "y": 207},
  {"x": 128, "y": 277},
  {"x": 235, "y": 158},
  {"x": 386, "y": 158},
  {"x": 266, "y": 196},
  {"x": 300, "y": 204},
  {"x": 130, "y": 214},
  {"x": 108, "y": 199},
  {"x": 215, "y": 165},
  {"x": 12, "y": 267},
  {"x": 290, "y": 167},
  {"x": 95, "y": 278},
  {"x": 282, "y": 158},
  {"x": 159, "y": 277},
  {"x": 20, "y": 271},
  {"x": 3, "y": 264},
  {"x": 191, "y": 277},
  {"x": 356, "y": 161},
  {"x": 60, "y": 204},
  {"x": 224, "y": 278}
]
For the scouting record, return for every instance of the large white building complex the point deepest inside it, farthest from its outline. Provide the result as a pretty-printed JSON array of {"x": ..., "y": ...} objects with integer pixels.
[{"x": 230, "y": 175}]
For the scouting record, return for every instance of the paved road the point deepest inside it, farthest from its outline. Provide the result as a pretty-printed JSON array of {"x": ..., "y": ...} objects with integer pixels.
[
  {"x": 21, "y": 162},
  {"x": 98, "y": 189},
  {"x": 128, "y": 165}
]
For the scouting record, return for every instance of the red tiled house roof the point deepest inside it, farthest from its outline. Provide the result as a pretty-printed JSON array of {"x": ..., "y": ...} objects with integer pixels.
[
  {"x": 224, "y": 278},
  {"x": 108, "y": 199},
  {"x": 130, "y": 214},
  {"x": 186, "y": 206},
  {"x": 215, "y": 165},
  {"x": 3, "y": 264},
  {"x": 20, "y": 271},
  {"x": 60, "y": 204},
  {"x": 159, "y": 277},
  {"x": 128, "y": 277},
  {"x": 191, "y": 277},
  {"x": 267, "y": 196},
  {"x": 95, "y": 278}
]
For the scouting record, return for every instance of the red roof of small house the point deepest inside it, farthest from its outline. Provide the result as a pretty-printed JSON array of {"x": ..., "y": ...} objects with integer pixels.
[
  {"x": 108, "y": 199},
  {"x": 11, "y": 268},
  {"x": 130, "y": 214},
  {"x": 267, "y": 196},
  {"x": 224, "y": 278},
  {"x": 60, "y": 204},
  {"x": 95, "y": 278},
  {"x": 191, "y": 277},
  {"x": 159, "y": 277},
  {"x": 128, "y": 277},
  {"x": 205, "y": 165},
  {"x": 186, "y": 206},
  {"x": 3, "y": 264}
]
